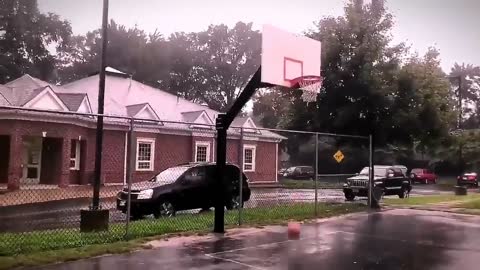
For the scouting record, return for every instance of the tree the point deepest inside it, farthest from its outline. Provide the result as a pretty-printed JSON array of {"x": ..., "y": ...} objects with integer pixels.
[
  {"x": 270, "y": 107},
  {"x": 25, "y": 38},
  {"x": 206, "y": 67},
  {"x": 470, "y": 76},
  {"x": 223, "y": 61},
  {"x": 359, "y": 68},
  {"x": 367, "y": 86},
  {"x": 129, "y": 50},
  {"x": 420, "y": 103}
]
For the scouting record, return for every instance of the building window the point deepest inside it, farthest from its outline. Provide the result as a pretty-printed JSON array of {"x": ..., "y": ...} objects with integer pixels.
[
  {"x": 75, "y": 155},
  {"x": 145, "y": 154},
  {"x": 249, "y": 158},
  {"x": 202, "y": 152}
]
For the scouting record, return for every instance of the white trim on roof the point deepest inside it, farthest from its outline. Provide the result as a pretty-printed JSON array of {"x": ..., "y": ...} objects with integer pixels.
[
  {"x": 147, "y": 112},
  {"x": 85, "y": 106},
  {"x": 47, "y": 99},
  {"x": 249, "y": 126},
  {"x": 202, "y": 120},
  {"x": 113, "y": 70}
]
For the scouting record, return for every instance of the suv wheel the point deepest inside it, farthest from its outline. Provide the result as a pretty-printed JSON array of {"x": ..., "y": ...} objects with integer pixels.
[
  {"x": 234, "y": 203},
  {"x": 165, "y": 209},
  {"x": 404, "y": 193},
  {"x": 349, "y": 196}
]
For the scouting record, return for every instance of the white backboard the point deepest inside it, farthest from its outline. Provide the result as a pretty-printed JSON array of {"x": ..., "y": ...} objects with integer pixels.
[{"x": 286, "y": 56}]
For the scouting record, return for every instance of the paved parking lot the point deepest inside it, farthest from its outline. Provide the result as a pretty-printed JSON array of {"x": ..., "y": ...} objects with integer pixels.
[{"x": 393, "y": 239}]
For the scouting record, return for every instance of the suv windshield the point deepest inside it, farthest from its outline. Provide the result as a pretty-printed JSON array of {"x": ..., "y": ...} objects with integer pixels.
[
  {"x": 169, "y": 175},
  {"x": 291, "y": 169},
  {"x": 377, "y": 171}
]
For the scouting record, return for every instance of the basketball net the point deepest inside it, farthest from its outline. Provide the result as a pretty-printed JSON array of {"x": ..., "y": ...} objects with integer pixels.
[{"x": 310, "y": 88}]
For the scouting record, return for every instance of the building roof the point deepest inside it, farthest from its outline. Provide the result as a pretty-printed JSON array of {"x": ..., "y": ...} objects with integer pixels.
[
  {"x": 121, "y": 92},
  {"x": 132, "y": 110},
  {"x": 3, "y": 100},
  {"x": 28, "y": 82},
  {"x": 123, "y": 97},
  {"x": 72, "y": 100},
  {"x": 23, "y": 89},
  {"x": 19, "y": 97},
  {"x": 239, "y": 121},
  {"x": 190, "y": 117}
]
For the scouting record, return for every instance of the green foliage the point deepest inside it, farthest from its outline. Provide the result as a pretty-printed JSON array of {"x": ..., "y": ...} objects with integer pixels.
[
  {"x": 209, "y": 67},
  {"x": 25, "y": 37},
  {"x": 470, "y": 92},
  {"x": 372, "y": 86},
  {"x": 432, "y": 199}
]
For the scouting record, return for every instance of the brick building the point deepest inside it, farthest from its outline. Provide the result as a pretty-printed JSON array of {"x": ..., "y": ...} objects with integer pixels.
[{"x": 38, "y": 147}]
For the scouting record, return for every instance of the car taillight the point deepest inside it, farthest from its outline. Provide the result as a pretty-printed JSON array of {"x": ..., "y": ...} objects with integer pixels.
[{"x": 471, "y": 178}]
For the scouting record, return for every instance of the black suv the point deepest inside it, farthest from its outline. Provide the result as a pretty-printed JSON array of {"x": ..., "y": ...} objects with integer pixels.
[
  {"x": 389, "y": 179},
  {"x": 299, "y": 172},
  {"x": 182, "y": 188}
]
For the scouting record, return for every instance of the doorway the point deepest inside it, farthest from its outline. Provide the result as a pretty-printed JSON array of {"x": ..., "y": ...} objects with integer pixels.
[
  {"x": 4, "y": 157},
  {"x": 31, "y": 160}
]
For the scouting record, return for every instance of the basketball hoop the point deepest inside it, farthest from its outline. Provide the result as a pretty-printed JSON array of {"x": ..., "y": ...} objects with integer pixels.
[{"x": 310, "y": 85}]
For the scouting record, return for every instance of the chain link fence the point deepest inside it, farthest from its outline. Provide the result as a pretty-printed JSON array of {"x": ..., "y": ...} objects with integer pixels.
[{"x": 157, "y": 177}]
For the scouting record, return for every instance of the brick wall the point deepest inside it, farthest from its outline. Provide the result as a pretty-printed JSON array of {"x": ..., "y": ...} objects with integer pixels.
[
  {"x": 264, "y": 162},
  {"x": 170, "y": 150}
]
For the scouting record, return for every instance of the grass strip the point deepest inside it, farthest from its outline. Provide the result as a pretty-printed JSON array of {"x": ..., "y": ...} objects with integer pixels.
[{"x": 43, "y": 247}]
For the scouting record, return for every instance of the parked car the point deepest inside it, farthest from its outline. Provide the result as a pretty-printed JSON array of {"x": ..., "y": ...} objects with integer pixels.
[
  {"x": 282, "y": 171},
  {"x": 181, "y": 188},
  {"x": 424, "y": 176},
  {"x": 468, "y": 179},
  {"x": 300, "y": 172},
  {"x": 390, "y": 179}
]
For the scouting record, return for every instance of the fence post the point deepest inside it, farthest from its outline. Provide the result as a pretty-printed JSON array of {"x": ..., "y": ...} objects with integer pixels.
[
  {"x": 240, "y": 162},
  {"x": 130, "y": 151},
  {"x": 371, "y": 172},
  {"x": 316, "y": 174}
]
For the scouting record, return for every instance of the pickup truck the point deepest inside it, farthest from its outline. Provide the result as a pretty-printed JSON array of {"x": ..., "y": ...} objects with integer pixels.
[{"x": 390, "y": 179}]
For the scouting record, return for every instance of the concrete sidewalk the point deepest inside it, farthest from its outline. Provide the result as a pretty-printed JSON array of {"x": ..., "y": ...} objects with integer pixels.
[{"x": 54, "y": 193}]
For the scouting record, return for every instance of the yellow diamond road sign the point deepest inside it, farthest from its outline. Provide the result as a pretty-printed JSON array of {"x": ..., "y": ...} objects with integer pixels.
[{"x": 338, "y": 156}]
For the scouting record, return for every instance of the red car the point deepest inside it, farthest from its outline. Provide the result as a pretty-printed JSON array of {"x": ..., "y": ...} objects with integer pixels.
[
  {"x": 423, "y": 176},
  {"x": 468, "y": 179}
]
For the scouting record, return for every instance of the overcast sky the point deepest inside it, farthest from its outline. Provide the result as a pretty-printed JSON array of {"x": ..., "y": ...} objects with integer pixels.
[{"x": 453, "y": 26}]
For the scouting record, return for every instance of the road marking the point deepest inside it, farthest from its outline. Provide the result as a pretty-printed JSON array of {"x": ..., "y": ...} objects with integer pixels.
[
  {"x": 214, "y": 255},
  {"x": 268, "y": 244},
  {"x": 234, "y": 261}
]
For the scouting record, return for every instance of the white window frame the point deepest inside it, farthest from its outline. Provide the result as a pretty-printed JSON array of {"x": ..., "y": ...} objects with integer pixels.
[
  {"x": 150, "y": 141},
  {"x": 203, "y": 144},
  {"x": 254, "y": 153},
  {"x": 76, "y": 159}
]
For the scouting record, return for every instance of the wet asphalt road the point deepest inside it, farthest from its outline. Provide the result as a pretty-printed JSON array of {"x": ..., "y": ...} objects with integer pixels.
[
  {"x": 69, "y": 217},
  {"x": 393, "y": 239}
]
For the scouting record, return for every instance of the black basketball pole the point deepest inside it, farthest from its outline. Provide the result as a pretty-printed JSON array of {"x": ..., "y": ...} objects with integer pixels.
[
  {"x": 101, "y": 98},
  {"x": 222, "y": 124}
]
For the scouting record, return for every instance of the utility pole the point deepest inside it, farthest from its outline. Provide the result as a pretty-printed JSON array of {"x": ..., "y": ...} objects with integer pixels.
[
  {"x": 95, "y": 218},
  {"x": 460, "y": 113},
  {"x": 101, "y": 98}
]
